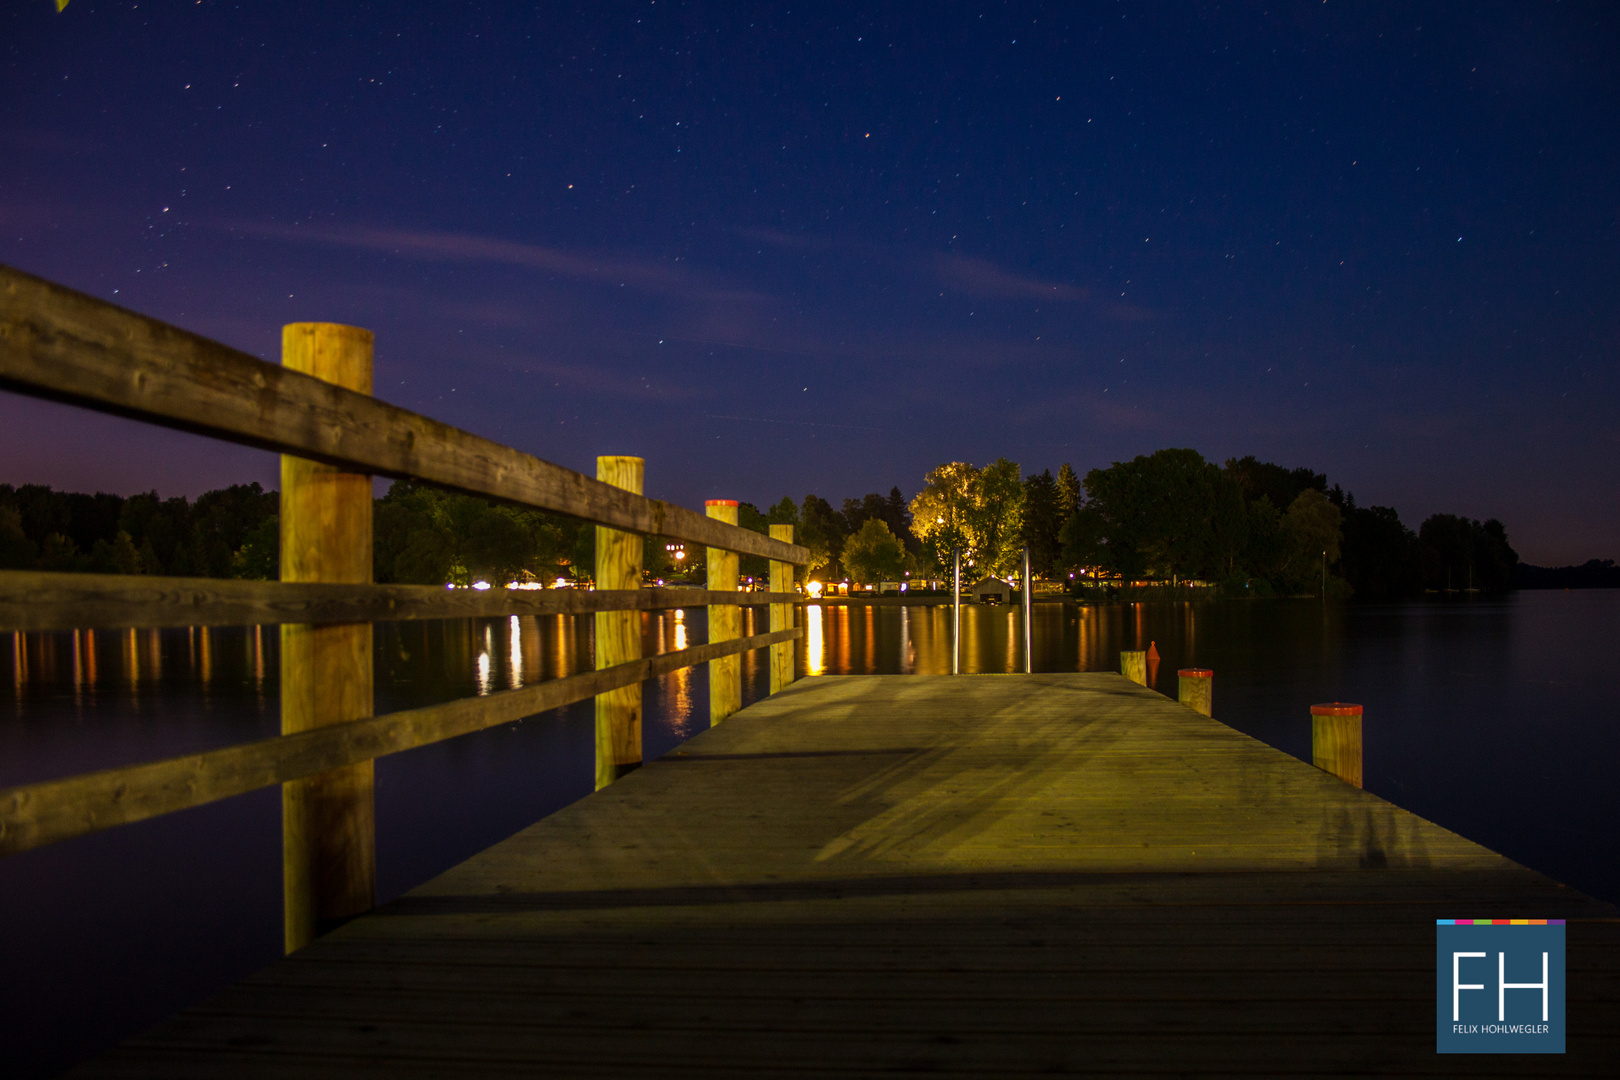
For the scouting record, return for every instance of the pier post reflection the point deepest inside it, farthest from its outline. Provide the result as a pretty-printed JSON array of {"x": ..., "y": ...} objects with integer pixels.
[
  {"x": 815, "y": 661},
  {"x": 514, "y": 652}
]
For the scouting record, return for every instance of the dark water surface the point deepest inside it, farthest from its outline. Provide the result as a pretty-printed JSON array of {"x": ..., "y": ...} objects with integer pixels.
[{"x": 1495, "y": 718}]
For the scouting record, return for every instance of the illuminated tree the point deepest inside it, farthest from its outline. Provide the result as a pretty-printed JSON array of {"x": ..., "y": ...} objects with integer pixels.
[
  {"x": 942, "y": 512},
  {"x": 976, "y": 511},
  {"x": 874, "y": 553}
]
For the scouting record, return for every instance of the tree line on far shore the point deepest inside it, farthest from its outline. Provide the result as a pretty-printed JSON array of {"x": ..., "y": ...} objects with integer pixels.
[
  {"x": 231, "y": 532},
  {"x": 1251, "y": 527}
]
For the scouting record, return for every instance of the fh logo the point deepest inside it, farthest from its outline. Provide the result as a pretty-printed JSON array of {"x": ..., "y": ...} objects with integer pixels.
[{"x": 1500, "y": 986}]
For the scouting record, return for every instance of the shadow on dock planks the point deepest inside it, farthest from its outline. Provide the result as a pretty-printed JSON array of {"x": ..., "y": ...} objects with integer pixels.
[{"x": 993, "y": 875}]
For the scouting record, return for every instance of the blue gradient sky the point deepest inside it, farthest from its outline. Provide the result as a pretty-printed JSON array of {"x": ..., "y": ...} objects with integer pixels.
[{"x": 825, "y": 247}]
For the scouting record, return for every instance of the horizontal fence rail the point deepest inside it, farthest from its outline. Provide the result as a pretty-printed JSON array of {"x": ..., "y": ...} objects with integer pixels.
[
  {"x": 315, "y": 409},
  {"x": 66, "y": 346},
  {"x": 34, "y": 815},
  {"x": 38, "y": 600}
]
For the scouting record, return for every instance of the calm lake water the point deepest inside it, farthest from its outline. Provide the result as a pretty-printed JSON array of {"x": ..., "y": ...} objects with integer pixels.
[{"x": 1496, "y": 718}]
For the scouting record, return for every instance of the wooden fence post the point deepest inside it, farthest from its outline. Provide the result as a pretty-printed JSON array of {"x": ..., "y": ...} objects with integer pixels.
[
  {"x": 781, "y": 614},
  {"x": 1336, "y": 740},
  {"x": 618, "y": 633},
  {"x": 1133, "y": 665},
  {"x": 725, "y": 620},
  {"x": 329, "y": 861},
  {"x": 1197, "y": 689}
]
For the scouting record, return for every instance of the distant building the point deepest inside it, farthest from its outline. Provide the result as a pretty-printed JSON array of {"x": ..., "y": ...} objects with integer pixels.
[{"x": 991, "y": 590}]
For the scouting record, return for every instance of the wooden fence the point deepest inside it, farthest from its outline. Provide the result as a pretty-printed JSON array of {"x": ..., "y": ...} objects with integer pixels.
[{"x": 316, "y": 410}]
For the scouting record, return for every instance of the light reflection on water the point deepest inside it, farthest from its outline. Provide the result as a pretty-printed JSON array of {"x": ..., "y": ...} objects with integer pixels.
[
  {"x": 514, "y": 652},
  {"x": 815, "y": 641},
  {"x": 1490, "y": 717},
  {"x": 117, "y": 929},
  {"x": 485, "y": 682}
]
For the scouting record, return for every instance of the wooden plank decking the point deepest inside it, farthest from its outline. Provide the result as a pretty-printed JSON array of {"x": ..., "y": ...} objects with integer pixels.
[{"x": 995, "y": 875}]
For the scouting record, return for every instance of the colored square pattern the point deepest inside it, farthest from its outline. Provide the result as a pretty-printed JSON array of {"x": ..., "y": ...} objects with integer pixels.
[{"x": 1499, "y": 922}]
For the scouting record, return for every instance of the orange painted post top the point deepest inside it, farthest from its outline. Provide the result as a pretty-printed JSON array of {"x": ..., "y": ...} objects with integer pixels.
[
  {"x": 720, "y": 502},
  {"x": 1197, "y": 690},
  {"x": 1336, "y": 740}
]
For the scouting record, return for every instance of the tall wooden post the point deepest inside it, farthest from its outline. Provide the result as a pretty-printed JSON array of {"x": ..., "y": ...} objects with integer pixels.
[
  {"x": 956, "y": 612},
  {"x": 1197, "y": 689},
  {"x": 725, "y": 620},
  {"x": 618, "y": 633},
  {"x": 781, "y": 614},
  {"x": 329, "y": 861},
  {"x": 1133, "y": 665},
  {"x": 1336, "y": 740},
  {"x": 1029, "y": 622}
]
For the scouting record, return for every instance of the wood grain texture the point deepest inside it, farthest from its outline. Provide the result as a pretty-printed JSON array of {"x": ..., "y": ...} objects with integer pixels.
[
  {"x": 725, "y": 620},
  {"x": 63, "y": 345},
  {"x": 1336, "y": 746},
  {"x": 1133, "y": 665},
  {"x": 618, "y": 633},
  {"x": 1197, "y": 692},
  {"x": 994, "y": 875},
  {"x": 33, "y": 600},
  {"x": 781, "y": 614},
  {"x": 328, "y": 821},
  {"x": 34, "y": 815}
]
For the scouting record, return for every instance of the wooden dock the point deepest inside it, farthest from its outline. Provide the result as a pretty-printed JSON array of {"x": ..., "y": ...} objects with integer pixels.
[{"x": 994, "y": 875}]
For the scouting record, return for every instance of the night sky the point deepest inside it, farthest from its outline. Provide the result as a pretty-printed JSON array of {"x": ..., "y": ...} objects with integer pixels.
[{"x": 824, "y": 247}]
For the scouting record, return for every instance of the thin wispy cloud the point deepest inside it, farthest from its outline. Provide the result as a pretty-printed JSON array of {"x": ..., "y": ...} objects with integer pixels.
[
  {"x": 602, "y": 375},
  {"x": 790, "y": 241},
  {"x": 790, "y": 423},
  {"x": 978, "y": 277},
  {"x": 642, "y": 274}
]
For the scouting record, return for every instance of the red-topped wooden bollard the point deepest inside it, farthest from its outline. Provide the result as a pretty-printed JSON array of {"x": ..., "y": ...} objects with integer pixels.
[
  {"x": 1198, "y": 689},
  {"x": 1336, "y": 740}
]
